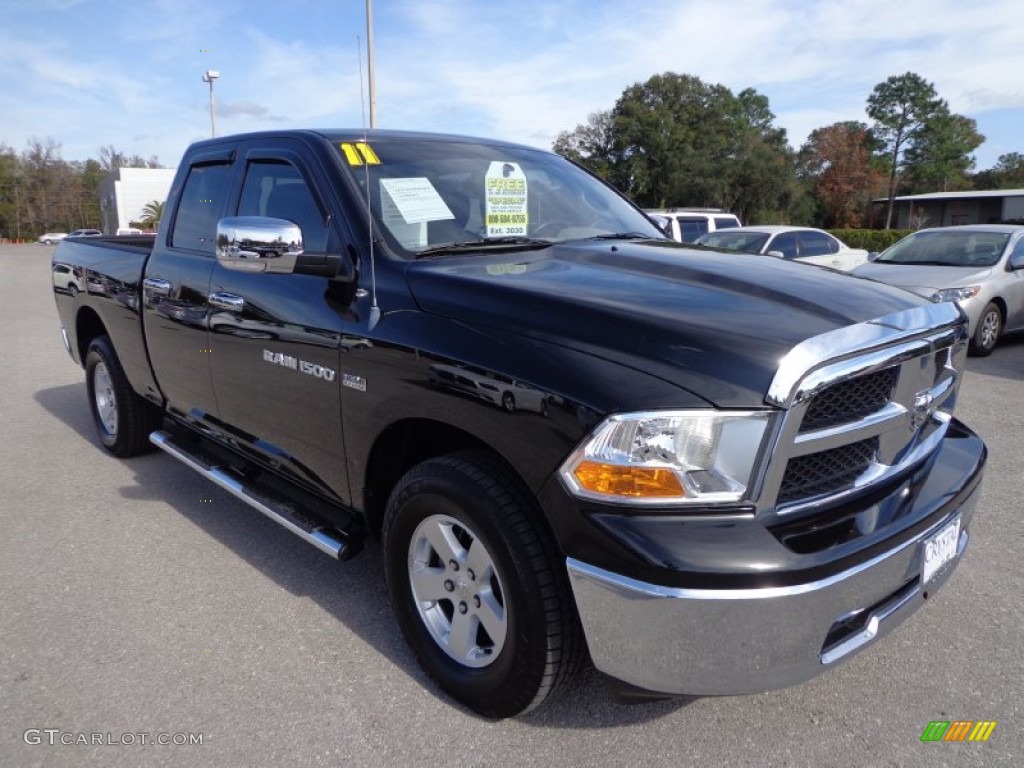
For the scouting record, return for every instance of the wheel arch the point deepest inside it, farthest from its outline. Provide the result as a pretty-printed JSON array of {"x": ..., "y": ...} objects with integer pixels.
[
  {"x": 408, "y": 442},
  {"x": 88, "y": 326}
]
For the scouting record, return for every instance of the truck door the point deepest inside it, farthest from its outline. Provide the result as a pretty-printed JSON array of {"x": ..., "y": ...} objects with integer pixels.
[
  {"x": 176, "y": 285},
  {"x": 276, "y": 338}
]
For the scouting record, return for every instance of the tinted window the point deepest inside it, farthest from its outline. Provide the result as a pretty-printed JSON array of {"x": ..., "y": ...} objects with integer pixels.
[
  {"x": 691, "y": 229},
  {"x": 816, "y": 244},
  {"x": 724, "y": 222},
  {"x": 750, "y": 242},
  {"x": 279, "y": 191},
  {"x": 785, "y": 244},
  {"x": 202, "y": 203},
  {"x": 1017, "y": 257}
]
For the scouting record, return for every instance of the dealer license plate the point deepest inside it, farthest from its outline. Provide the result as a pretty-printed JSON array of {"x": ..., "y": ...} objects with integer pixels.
[{"x": 939, "y": 549}]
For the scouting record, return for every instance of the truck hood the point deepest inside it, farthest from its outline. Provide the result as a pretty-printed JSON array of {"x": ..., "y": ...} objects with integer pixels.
[
  {"x": 923, "y": 280},
  {"x": 715, "y": 324}
]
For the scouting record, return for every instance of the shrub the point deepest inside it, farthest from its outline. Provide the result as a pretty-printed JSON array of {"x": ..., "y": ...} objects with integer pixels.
[{"x": 870, "y": 239}]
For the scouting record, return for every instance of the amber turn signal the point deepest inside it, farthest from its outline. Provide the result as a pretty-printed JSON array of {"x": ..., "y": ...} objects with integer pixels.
[{"x": 617, "y": 480}]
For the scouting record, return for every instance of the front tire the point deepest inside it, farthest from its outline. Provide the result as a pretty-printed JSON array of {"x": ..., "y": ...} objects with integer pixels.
[
  {"x": 123, "y": 419},
  {"x": 478, "y": 588},
  {"x": 986, "y": 335}
]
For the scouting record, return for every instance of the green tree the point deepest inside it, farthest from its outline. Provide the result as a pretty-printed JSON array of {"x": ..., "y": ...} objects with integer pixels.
[
  {"x": 1007, "y": 173},
  {"x": 940, "y": 157},
  {"x": 152, "y": 213},
  {"x": 592, "y": 145},
  {"x": 836, "y": 160},
  {"x": 900, "y": 107}
]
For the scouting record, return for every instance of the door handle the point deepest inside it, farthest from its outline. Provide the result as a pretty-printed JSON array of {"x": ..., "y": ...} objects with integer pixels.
[
  {"x": 157, "y": 285},
  {"x": 227, "y": 301}
]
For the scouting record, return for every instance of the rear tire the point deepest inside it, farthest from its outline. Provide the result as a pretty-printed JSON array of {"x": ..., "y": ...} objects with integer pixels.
[
  {"x": 986, "y": 334},
  {"x": 123, "y": 419},
  {"x": 478, "y": 587}
]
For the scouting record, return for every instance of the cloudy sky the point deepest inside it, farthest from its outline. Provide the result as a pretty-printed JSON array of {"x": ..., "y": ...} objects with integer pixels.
[{"x": 95, "y": 72}]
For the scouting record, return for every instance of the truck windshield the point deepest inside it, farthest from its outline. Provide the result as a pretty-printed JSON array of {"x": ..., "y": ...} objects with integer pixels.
[{"x": 434, "y": 195}]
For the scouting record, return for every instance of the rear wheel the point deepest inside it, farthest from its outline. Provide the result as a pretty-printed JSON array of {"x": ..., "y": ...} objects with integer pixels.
[
  {"x": 986, "y": 334},
  {"x": 477, "y": 586},
  {"x": 123, "y": 419}
]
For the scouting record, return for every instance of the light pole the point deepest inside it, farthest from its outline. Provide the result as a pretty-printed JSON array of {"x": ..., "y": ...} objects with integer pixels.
[{"x": 208, "y": 77}]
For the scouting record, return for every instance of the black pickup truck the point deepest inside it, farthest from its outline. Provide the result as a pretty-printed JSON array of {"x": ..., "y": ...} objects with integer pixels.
[{"x": 713, "y": 473}]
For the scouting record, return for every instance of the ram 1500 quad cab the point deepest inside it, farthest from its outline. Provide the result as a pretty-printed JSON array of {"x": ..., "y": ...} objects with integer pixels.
[{"x": 571, "y": 435}]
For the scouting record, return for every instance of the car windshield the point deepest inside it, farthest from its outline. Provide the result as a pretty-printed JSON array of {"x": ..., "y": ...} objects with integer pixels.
[
  {"x": 749, "y": 242},
  {"x": 436, "y": 196},
  {"x": 948, "y": 248}
]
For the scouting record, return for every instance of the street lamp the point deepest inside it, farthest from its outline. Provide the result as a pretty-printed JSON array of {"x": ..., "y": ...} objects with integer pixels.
[{"x": 208, "y": 77}]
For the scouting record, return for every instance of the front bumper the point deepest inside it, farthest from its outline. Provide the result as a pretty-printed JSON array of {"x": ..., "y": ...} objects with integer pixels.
[{"x": 716, "y": 641}]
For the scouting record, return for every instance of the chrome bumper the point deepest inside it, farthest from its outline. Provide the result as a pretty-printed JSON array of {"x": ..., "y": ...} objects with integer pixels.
[{"x": 723, "y": 641}]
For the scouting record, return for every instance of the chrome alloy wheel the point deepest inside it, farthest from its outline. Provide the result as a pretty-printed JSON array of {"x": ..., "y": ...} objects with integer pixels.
[
  {"x": 457, "y": 591},
  {"x": 106, "y": 402},
  {"x": 990, "y": 328}
]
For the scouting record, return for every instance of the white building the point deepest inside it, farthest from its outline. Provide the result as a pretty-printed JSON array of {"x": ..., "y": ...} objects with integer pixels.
[{"x": 126, "y": 191}]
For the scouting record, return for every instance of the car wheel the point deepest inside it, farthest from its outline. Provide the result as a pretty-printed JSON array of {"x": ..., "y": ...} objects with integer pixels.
[
  {"x": 73, "y": 290},
  {"x": 986, "y": 334},
  {"x": 508, "y": 402},
  {"x": 479, "y": 590},
  {"x": 123, "y": 419},
  {"x": 47, "y": 242}
]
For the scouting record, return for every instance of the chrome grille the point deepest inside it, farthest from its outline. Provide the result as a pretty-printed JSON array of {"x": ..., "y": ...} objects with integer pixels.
[
  {"x": 861, "y": 405},
  {"x": 826, "y": 472},
  {"x": 850, "y": 400}
]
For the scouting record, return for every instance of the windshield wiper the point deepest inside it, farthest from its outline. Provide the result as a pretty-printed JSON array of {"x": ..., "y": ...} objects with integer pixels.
[
  {"x": 622, "y": 236},
  {"x": 483, "y": 243},
  {"x": 920, "y": 263}
]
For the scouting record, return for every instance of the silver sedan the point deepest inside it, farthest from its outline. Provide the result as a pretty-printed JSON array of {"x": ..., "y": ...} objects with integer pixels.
[{"x": 980, "y": 267}]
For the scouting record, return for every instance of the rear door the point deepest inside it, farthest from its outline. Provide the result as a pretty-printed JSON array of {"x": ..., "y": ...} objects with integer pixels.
[
  {"x": 276, "y": 338},
  {"x": 176, "y": 285}
]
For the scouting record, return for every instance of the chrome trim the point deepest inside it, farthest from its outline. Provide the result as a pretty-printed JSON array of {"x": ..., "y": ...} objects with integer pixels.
[
  {"x": 227, "y": 301},
  {"x": 843, "y": 434},
  {"x": 258, "y": 244},
  {"x": 857, "y": 339},
  {"x": 320, "y": 538},
  {"x": 157, "y": 286},
  {"x": 66, "y": 340},
  {"x": 720, "y": 641}
]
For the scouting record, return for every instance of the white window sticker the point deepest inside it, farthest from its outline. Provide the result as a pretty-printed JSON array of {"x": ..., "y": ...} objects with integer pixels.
[
  {"x": 416, "y": 200},
  {"x": 411, "y": 236},
  {"x": 505, "y": 187}
]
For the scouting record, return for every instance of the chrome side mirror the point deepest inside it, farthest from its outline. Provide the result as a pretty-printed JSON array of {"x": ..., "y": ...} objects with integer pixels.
[{"x": 258, "y": 244}]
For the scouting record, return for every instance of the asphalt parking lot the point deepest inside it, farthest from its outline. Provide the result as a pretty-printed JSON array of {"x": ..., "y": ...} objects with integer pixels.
[{"x": 137, "y": 598}]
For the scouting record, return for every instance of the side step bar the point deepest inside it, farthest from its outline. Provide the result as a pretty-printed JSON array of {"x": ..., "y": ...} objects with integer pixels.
[{"x": 324, "y": 538}]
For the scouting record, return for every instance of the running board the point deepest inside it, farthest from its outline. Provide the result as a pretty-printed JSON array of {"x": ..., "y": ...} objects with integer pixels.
[{"x": 324, "y": 538}]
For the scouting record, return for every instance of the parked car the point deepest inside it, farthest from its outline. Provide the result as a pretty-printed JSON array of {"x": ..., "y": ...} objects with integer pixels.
[
  {"x": 813, "y": 246},
  {"x": 51, "y": 237},
  {"x": 980, "y": 267},
  {"x": 85, "y": 233},
  {"x": 686, "y": 225}
]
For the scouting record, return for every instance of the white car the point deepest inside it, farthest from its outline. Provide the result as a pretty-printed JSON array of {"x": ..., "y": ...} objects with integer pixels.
[
  {"x": 51, "y": 237},
  {"x": 67, "y": 279},
  {"x": 812, "y": 246},
  {"x": 688, "y": 224}
]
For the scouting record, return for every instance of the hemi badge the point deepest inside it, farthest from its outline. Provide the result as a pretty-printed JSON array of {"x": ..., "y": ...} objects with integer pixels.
[{"x": 353, "y": 381}]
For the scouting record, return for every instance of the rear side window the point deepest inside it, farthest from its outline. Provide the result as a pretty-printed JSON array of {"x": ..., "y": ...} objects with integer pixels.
[
  {"x": 202, "y": 204},
  {"x": 691, "y": 229},
  {"x": 816, "y": 244},
  {"x": 785, "y": 244},
  {"x": 725, "y": 222}
]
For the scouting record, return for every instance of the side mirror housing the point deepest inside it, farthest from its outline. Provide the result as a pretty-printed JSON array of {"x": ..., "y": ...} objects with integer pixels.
[
  {"x": 273, "y": 246},
  {"x": 777, "y": 254},
  {"x": 872, "y": 255}
]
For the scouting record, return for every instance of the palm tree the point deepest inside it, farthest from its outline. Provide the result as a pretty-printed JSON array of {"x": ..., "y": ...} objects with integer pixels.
[{"x": 152, "y": 212}]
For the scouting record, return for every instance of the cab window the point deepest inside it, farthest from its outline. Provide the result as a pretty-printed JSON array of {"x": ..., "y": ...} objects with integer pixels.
[
  {"x": 202, "y": 203},
  {"x": 278, "y": 190}
]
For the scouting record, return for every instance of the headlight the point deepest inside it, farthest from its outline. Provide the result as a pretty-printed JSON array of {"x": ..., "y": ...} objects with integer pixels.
[
  {"x": 668, "y": 457},
  {"x": 956, "y": 294}
]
